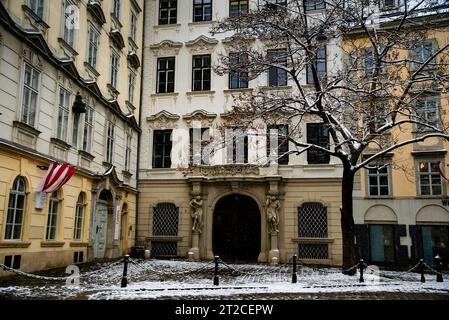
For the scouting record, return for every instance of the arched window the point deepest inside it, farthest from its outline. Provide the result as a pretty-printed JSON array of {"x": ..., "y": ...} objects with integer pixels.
[
  {"x": 79, "y": 218},
  {"x": 123, "y": 221},
  {"x": 52, "y": 222},
  {"x": 16, "y": 210}
]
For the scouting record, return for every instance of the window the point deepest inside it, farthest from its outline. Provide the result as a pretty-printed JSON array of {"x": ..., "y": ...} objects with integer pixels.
[
  {"x": 428, "y": 112},
  {"x": 94, "y": 42},
  {"x": 238, "y": 7},
  {"x": 237, "y": 150},
  {"x": 319, "y": 63},
  {"x": 435, "y": 241},
  {"x": 429, "y": 178},
  {"x": 312, "y": 223},
  {"x": 52, "y": 221},
  {"x": 70, "y": 21},
  {"x": 317, "y": 134},
  {"x": 381, "y": 240},
  {"x": 133, "y": 30},
  {"x": 198, "y": 150},
  {"x": 116, "y": 9},
  {"x": 114, "y": 68},
  {"x": 13, "y": 261},
  {"x": 389, "y": 4},
  {"x": 312, "y": 5},
  {"x": 16, "y": 210},
  {"x": 75, "y": 129},
  {"x": 110, "y": 142},
  {"x": 128, "y": 152},
  {"x": 162, "y": 145},
  {"x": 165, "y": 75},
  {"x": 202, "y": 10},
  {"x": 37, "y": 6},
  {"x": 368, "y": 62},
  {"x": 238, "y": 79},
  {"x": 88, "y": 129},
  {"x": 277, "y": 76},
  {"x": 79, "y": 217},
  {"x": 280, "y": 133},
  {"x": 165, "y": 223},
  {"x": 201, "y": 72},
  {"x": 131, "y": 86},
  {"x": 123, "y": 221},
  {"x": 421, "y": 52},
  {"x": 63, "y": 114},
  {"x": 378, "y": 180},
  {"x": 167, "y": 11},
  {"x": 30, "y": 94}
]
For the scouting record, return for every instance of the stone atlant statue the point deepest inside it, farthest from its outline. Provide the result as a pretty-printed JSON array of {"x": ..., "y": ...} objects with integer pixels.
[
  {"x": 273, "y": 205},
  {"x": 197, "y": 213}
]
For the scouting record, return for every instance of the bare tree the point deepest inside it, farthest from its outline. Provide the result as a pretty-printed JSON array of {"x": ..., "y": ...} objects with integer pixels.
[{"x": 381, "y": 64}]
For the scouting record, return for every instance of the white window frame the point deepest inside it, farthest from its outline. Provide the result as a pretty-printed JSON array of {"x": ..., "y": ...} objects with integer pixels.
[
  {"x": 93, "y": 45},
  {"x": 116, "y": 8},
  {"x": 16, "y": 191},
  {"x": 79, "y": 219},
  {"x": 378, "y": 175},
  {"x": 63, "y": 114},
  {"x": 88, "y": 129},
  {"x": 429, "y": 173},
  {"x": 52, "y": 217},
  {"x": 133, "y": 26},
  {"x": 115, "y": 68},
  {"x": 110, "y": 134},
  {"x": 68, "y": 34},
  {"x": 131, "y": 86},
  {"x": 424, "y": 111},
  {"x": 35, "y": 7},
  {"x": 128, "y": 152},
  {"x": 29, "y": 90}
]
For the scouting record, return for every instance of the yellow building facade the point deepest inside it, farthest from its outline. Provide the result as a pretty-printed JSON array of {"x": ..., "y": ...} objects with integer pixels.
[
  {"x": 54, "y": 56},
  {"x": 400, "y": 207}
]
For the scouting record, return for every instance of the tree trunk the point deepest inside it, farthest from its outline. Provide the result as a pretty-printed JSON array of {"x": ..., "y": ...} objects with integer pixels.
[{"x": 347, "y": 221}]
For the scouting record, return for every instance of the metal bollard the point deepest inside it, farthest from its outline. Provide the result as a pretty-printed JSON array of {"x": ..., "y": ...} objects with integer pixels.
[
  {"x": 421, "y": 269},
  {"x": 125, "y": 272},
  {"x": 361, "y": 267},
  {"x": 294, "y": 276},
  {"x": 439, "y": 268},
  {"x": 216, "y": 280}
]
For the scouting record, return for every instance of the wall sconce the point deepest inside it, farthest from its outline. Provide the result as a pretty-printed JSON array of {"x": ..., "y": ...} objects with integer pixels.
[{"x": 78, "y": 105}]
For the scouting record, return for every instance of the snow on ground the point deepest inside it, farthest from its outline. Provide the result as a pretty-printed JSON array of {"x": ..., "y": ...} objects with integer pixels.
[{"x": 166, "y": 279}]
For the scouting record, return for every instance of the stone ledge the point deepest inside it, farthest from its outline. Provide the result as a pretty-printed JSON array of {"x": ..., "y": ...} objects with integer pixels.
[
  {"x": 14, "y": 244},
  {"x": 313, "y": 240},
  {"x": 79, "y": 244},
  {"x": 164, "y": 238},
  {"x": 52, "y": 244}
]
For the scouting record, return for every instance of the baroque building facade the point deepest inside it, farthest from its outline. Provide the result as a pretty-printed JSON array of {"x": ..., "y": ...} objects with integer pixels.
[
  {"x": 233, "y": 206},
  {"x": 70, "y": 93}
]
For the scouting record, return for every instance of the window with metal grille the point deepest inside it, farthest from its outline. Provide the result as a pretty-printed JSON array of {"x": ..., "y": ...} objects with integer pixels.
[
  {"x": 313, "y": 251},
  {"x": 164, "y": 249},
  {"x": 317, "y": 134},
  {"x": 167, "y": 11},
  {"x": 312, "y": 220},
  {"x": 165, "y": 219}
]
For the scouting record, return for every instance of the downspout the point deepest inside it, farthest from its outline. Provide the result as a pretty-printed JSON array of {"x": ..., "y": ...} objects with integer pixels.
[{"x": 140, "y": 122}]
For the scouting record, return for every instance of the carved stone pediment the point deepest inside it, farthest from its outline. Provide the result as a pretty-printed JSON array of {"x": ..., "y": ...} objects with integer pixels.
[
  {"x": 205, "y": 117},
  {"x": 163, "y": 119},
  {"x": 166, "y": 47},
  {"x": 94, "y": 7},
  {"x": 117, "y": 38},
  {"x": 238, "y": 41},
  {"x": 202, "y": 44},
  {"x": 223, "y": 170}
]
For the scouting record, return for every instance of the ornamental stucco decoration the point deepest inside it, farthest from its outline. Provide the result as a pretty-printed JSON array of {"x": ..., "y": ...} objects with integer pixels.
[
  {"x": 166, "y": 47},
  {"x": 200, "y": 115},
  {"x": 163, "y": 119},
  {"x": 222, "y": 170},
  {"x": 201, "y": 44}
]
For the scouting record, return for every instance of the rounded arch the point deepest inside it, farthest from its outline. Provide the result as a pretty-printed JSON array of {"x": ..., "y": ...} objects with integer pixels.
[
  {"x": 380, "y": 213},
  {"x": 432, "y": 213},
  {"x": 236, "y": 228},
  {"x": 106, "y": 195},
  {"x": 244, "y": 193}
]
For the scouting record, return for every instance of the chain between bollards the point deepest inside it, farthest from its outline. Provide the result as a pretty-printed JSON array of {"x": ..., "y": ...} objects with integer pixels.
[
  {"x": 125, "y": 271},
  {"x": 216, "y": 280},
  {"x": 294, "y": 275},
  {"x": 421, "y": 269}
]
